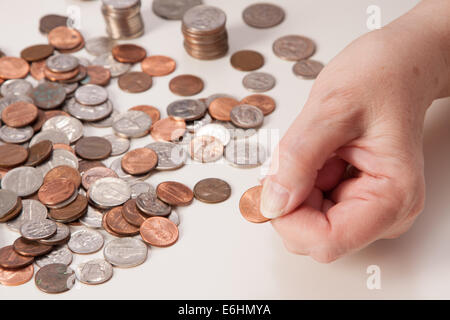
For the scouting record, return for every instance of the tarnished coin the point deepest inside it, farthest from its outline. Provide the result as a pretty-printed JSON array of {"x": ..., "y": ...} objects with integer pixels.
[
  {"x": 258, "y": 82},
  {"x": 89, "y": 113},
  {"x": 186, "y": 109},
  {"x": 60, "y": 255},
  {"x": 56, "y": 191},
  {"x": 59, "y": 157},
  {"x": 131, "y": 213},
  {"x": 193, "y": 126},
  {"x": 16, "y": 135},
  {"x": 85, "y": 241},
  {"x": 206, "y": 149},
  {"x": 95, "y": 271},
  {"x": 149, "y": 204},
  {"x": 48, "y": 22},
  {"x": 170, "y": 155},
  {"x": 23, "y": 181},
  {"x": 93, "y": 174},
  {"x": 31, "y": 210},
  {"x": 92, "y": 219},
  {"x": 139, "y": 187},
  {"x": 93, "y": 148},
  {"x": 247, "y": 60},
  {"x": 294, "y": 48},
  {"x": 109, "y": 192},
  {"x": 265, "y": 103},
  {"x": 61, "y": 236},
  {"x": 97, "y": 75},
  {"x": 65, "y": 38},
  {"x": 220, "y": 108},
  {"x": 53, "y": 135},
  {"x": 118, "y": 224},
  {"x": 135, "y": 82},
  {"x": 174, "y": 193},
  {"x": 159, "y": 232},
  {"x": 158, "y": 66},
  {"x": 16, "y": 277},
  {"x": 173, "y": 9},
  {"x": 36, "y": 230},
  {"x": 215, "y": 130},
  {"x": 132, "y": 124},
  {"x": 71, "y": 212},
  {"x": 62, "y": 63},
  {"x": 128, "y": 53},
  {"x": 30, "y": 248},
  {"x": 8, "y": 201},
  {"x": 139, "y": 161},
  {"x": 212, "y": 190},
  {"x": 247, "y": 116},
  {"x": 18, "y": 87},
  {"x": 125, "y": 252},
  {"x": 168, "y": 129},
  {"x": 12, "y": 155},
  {"x": 245, "y": 154},
  {"x": 249, "y": 205},
  {"x": 67, "y": 172},
  {"x": 186, "y": 85},
  {"x": 72, "y": 127},
  {"x": 308, "y": 68},
  {"x": 151, "y": 111},
  {"x": 203, "y": 18},
  {"x": 99, "y": 45},
  {"x": 116, "y": 68},
  {"x": 55, "y": 278},
  {"x": 39, "y": 153},
  {"x": 10, "y": 259},
  {"x": 263, "y": 15},
  {"x": 19, "y": 114},
  {"x": 91, "y": 95},
  {"x": 13, "y": 68}
]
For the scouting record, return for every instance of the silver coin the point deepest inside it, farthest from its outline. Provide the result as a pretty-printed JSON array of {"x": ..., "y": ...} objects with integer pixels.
[
  {"x": 150, "y": 204},
  {"x": 236, "y": 132},
  {"x": 258, "y": 82},
  {"x": 139, "y": 187},
  {"x": 99, "y": 45},
  {"x": 308, "y": 68},
  {"x": 187, "y": 109},
  {"x": 132, "y": 124},
  {"x": 107, "y": 122},
  {"x": 16, "y": 135},
  {"x": 109, "y": 192},
  {"x": 23, "y": 181},
  {"x": 16, "y": 87},
  {"x": 72, "y": 127},
  {"x": 88, "y": 113},
  {"x": 174, "y": 217},
  {"x": 70, "y": 87},
  {"x": 193, "y": 126},
  {"x": 247, "y": 116},
  {"x": 173, "y": 9},
  {"x": 53, "y": 135},
  {"x": 245, "y": 154},
  {"x": 85, "y": 241},
  {"x": 116, "y": 166},
  {"x": 84, "y": 61},
  {"x": 215, "y": 130},
  {"x": 60, "y": 255},
  {"x": 8, "y": 201},
  {"x": 125, "y": 252},
  {"x": 91, "y": 95},
  {"x": 62, "y": 234},
  {"x": 62, "y": 63},
  {"x": 92, "y": 218},
  {"x": 263, "y": 15},
  {"x": 38, "y": 229},
  {"x": 294, "y": 48},
  {"x": 120, "y": 4},
  {"x": 94, "y": 271},
  {"x": 170, "y": 155},
  {"x": 213, "y": 97},
  {"x": 58, "y": 158},
  {"x": 119, "y": 145},
  {"x": 116, "y": 68},
  {"x": 49, "y": 95},
  {"x": 31, "y": 210},
  {"x": 7, "y": 100},
  {"x": 204, "y": 18}
]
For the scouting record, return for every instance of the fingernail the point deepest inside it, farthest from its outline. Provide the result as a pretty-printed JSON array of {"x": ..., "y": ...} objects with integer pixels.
[{"x": 274, "y": 199}]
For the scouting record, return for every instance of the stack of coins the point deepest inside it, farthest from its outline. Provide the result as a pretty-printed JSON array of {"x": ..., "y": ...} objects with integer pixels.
[
  {"x": 205, "y": 35},
  {"x": 123, "y": 18}
]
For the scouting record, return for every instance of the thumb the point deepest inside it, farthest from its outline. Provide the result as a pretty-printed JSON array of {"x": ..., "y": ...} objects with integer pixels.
[{"x": 301, "y": 153}]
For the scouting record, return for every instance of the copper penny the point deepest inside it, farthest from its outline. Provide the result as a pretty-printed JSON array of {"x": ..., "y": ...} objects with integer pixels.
[
  {"x": 247, "y": 60},
  {"x": 63, "y": 147},
  {"x": 64, "y": 38},
  {"x": 93, "y": 174},
  {"x": 157, "y": 66},
  {"x": 54, "y": 113},
  {"x": 107, "y": 228},
  {"x": 19, "y": 114},
  {"x": 56, "y": 191},
  {"x": 128, "y": 53},
  {"x": 249, "y": 205},
  {"x": 72, "y": 212},
  {"x": 93, "y": 148},
  {"x": 139, "y": 161},
  {"x": 39, "y": 153},
  {"x": 132, "y": 214},
  {"x": 60, "y": 76},
  {"x": 159, "y": 232},
  {"x": 67, "y": 172},
  {"x": 85, "y": 165},
  {"x": 98, "y": 75},
  {"x": 12, "y": 155},
  {"x": 10, "y": 259},
  {"x": 168, "y": 129},
  {"x": 135, "y": 82},
  {"x": 76, "y": 49},
  {"x": 264, "y": 103},
  {"x": 13, "y": 68},
  {"x": 16, "y": 277},
  {"x": 39, "y": 122},
  {"x": 50, "y": 22},
  {"x": 37, "y": 70},
  {"x": 30, "y": 248},
  {"x": 55, "y": 278},
  {"x": 151, "y": 111},
  {"x": 212, "y": 190},
  {"x": 186, "y": 85},
  {"x": 220, "y": 108},
  {"x": 37, "y": 52},
  {"x": 119, "y": 225},
  {"x": 174, "y": 193}
]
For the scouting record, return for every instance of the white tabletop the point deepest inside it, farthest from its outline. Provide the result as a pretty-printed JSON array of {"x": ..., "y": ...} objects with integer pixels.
[{"x": 219, "y": 254}]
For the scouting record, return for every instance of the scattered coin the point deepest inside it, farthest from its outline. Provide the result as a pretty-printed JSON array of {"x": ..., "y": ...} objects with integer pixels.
[
  {"x": 159, "y": 232},
  {"x": 16, "y": 135},
  {"x": 65, "y": 38},
  {"x": 12, "y": 155},
  {"x": 94, "y": 272},
  {"x": 37, "y": 230},
  {"x": 168, "y": 129},
  {"x": 259, "y": 82},
  {"x": 193, "y": 126},
  {"x": 158, "y": 66},
  {"x": 85, "y": 165},
  {"x": 151, "y": 111},
  {"x": 49, "y": 95},
  {"x": 14, "y": 212},
  {"x": 247, "y": 116},
  {"x": 51, "y": 21},
  {"x": 106, "y": 122},
  {"x": 247, "y": 60},
  {"x": 93, "y": 148},
  {"x": 135, "y": 82},
  {"x": 95, "y": 173},
  {"x": 149, "y": 204},
  {"x": 31, "y": 210},
  {"x": 244, "y": 153},
  {"x": 89, "y": 113},
  {"x": 118, "y": 224},
  {"x": 265, "y": 103},
  {"x": 97, "y": 75},
  {"x": 220, "y": 108},
  {"x": 116, "y": 166},
  {"x": 139, "y": 187},
  {"x": 66, "y": 172},
  {"x": 58, "y": 158},
  {"x": 56, "y": 191},
  {"x": 294, "y": 48},
  {"x": 13, "y": 68},
  {"x": 212, "y": 190},
  {"x": 263, "y": 15},
  {"x": 249, "y": 205},
  {"x": 99, "y": 45},
  {"x": 30, "y": 248},
  {"x": 131, "y": 213},
  {"x": 92, "y": 219},
  {"x": 206, "y": 149},
  {"x": 109, "y": 192},
  {"x": 132, "y": 124},
  {"x": 16, "y": 277},
  {"x": 125, "y": 252},
  {"x": 173, "y": 9},
  {"x": 60, "y": 255},
  {"x": 37, "y": 70},
  {"x": 186, "y": 85},
  {"x": 116, "y": 68},
  {"x": 186, "y": 109},
  {"x": 91, "y": 95},
  {"x": 9, "y": 259},
  {"x": 170, "y": 155},
  {"x": 19, "y": 114},
  {"x": 71, "y": 212},
  {"x": 62, "y": 63},
  {"x": 308, "y": 69},
  {"x": 174, "y": 193},
  {"x": 19, "y": 87},
  {"x": 62, "y": 76},
  {"x": 72, "y": 127},
  {"x": 24, "y": 181},
  {"x": 55, "y": 278},
  {"x": 85, "y": 241},
  {"x": 139, "y": 161},
  {"x": 53, "y": 135},
  {"x": 8, "y": 201},
  {"x": 128, "y": 53}
]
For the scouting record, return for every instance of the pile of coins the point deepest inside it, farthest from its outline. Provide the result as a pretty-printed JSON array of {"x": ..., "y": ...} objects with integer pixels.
[
  {"x": 173, "y": 9},
  {"x": 205, "y": 35},
  {"x": 123, "y": 18}
]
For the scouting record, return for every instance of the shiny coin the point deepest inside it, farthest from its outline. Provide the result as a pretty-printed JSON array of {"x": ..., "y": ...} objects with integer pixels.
[
  {"x": 55, "y": 278},
  {"x": 168, "y": 129},
  {"x": 132, "y": 124},
  {"x": 23, "y": 181},
  {"x": 39, "y": 153},
  {"x": 118, "y": 224},
  {"x": 56, "y": 191},
  {"x": 215, "y": 130},
  {"x": 186, "y": 85},
  {"x": 59, "y": 255},
  {"x": 36, "y": 230},
  {"x": 12, "y": 155},
  {"x": 93, "y": 148},
  {"x": 93, "y": 174},
  {"x": 203, "y": 18},
  {"x": 249, "y": 205},
  {"x": 49, "y": 22},
  {"x": 92, "y": 218},
  {"x": 174, "y": 193},
  {"x": 128, "y": 53},
  {"x": 247, "y": 60},
  {"x": 91, "y": 95},
  {"x": 10, "y": 259},
  {"x": 212, "y": 190},
  {"x": 67, "y": 172},
  {"x": 97, "y": 75},
  {"x": 106, "y": 122},
  {"x": 16, "y": 135},
  {"x": 16, "y": 277},
  {"x": 186, "y": 109},
  {"x": 158, "y": 66},
  {"x": 16, "y": 87},
  {"x": 159, "y": 232},
  {"x": 53, "y": 135},
  {"x": 131, "y": 213},
  {"x": 19, "y": 114},
  {"x": 94, "y": 272},
  {"x": 30, "y": 248},
  {"x": 173, "y": 9},
  {"x": 151, "y": 111},
  {"x": 61, "y": 236},
  {"x": 85, "y": 241},
  {"x": 116, "y": 68},
  {"x": 149, "y": 204},
  {"x": 8, "y": 201},
  {"x": 220, "y": 108},
  {"x": 139, "y": 187},
  {"x": 263, "y": 15},
  {"x": 294, "y": 48},
  {"x": 258, "y": 82},
  {"x": 245, "y": 154},
  {"x": 31, "y": 210},
  {"x": 170, "y": 155},
  {"x": 62, "y": 63},
  {"x": 99, "y": 45},
  {"x": 135, "y": 82},
  {"x": 193, "y": 126},
  {"x": 139, "y": 161},
  {"x": 308, "y": 69},
  {"x": 109, "y": 192},
  {"x": 126, "y": 252},
  {"x": 265, "y": 103},
  {"x": 59, "y": 158},
  {"x": 89, "y": 113},
  {"x": 72, "y": 127},
  {"x": 71, "y": 212},
  {"x": 247, "y": 116},
  {"x": 206, "y": 149},
  {"x": 13, "y": 68},
  {"x": 65, "y": 38}
]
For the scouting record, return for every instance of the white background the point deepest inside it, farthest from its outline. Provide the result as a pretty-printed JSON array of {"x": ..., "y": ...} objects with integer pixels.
[{"x": 219, "y": 254}]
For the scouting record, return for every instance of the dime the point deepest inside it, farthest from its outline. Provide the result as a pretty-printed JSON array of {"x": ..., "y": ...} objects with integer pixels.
[
  {"x": 193, "y": 126},
  {"x": 149, "y": 204},
  {"x": 85, "y": 241},
  {"x": 132, "y": 124},
  {"x": 93, "y": 148},
  {"x": 294, "y": 48},
  {"x": 62, "y": 63},
  {"x": 30, "y": 248},
  {"x": 91, "y": 95},
  {"x": 135, "y": 82},
  {"x": 151, "y": 111},
  {"x": 55, "y": 278},
  {"x": 215, "y": 130},
  {"x": 19, "y": 87},
  {"x": 61, "y": 255},
  {"x": 93, "y": 174},
  {"x": 249, "y": 205},
  {"x": 49, "y": 22},
  {"x": 72, "y": 127},
  {"x": 118, "y": 224},
  {"x": 97, "y": 75},
  {"x": 61, "y": 236},
  {"x": 99, "y": 45},
  {"x": 204, "y": 18},
  {"x": 8, "y": 201},
  {"x": 109, "y": 192},
  {"x": 186, "y": 109},
  {"x": 12, "y": 155},
  {"x": 206, "y": 149},
  {"x": 66, "y": 172},
  {"x": 159, "y": 232},
  {"x": 94, "y": 271},
  {"x": 92, "y": 219},
  {"x": 56, "y": 191},
  {"x": 173, "y": 9},
  {"x": 265, "y": 103},
  {"x": 158, "y": 66},
  {"x": 116, "y": 68},
  {"x": 220, "y": 108},
  {"x": 245, "y": 154},
  {"x": 258, "y": 82},
  {"x": 174, "y": 193},
  {"x": 23, "y": 181},
  {"x": 126, "y": 252},
  {"x": 9, "y": 259},
  {"x": 263, "y": 15},
  {"x": 65, "y": 38},
  {"x": 247, "y": 60},
  {"x": 19, "y": 114},
  {"x": 247, "y": 116},
  {"x": 59, "y": 158},
  {"x": 16, "y": 135},
  {"x": 48, "y": 95},
  {"x": 139, "y": 187},
  {"x": 89, "y": 113},
  {"x": 13, "y": 68},
  {"x": 31, "y": 210},
  {"x": 186, "y": 85},
  {"x": 131, "y": 213},
  {"x": 170, "y": 155},
  {"x": 139, "y": 161},
  {"x": 16, "y": 277},
  {"x": 212, "y": 190},
  {"x": 71, "y": 212},
  {"x": 308, "y": 69},
  {"x": 37, "y": 230},
  {"x": 128, "y": 53}
]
